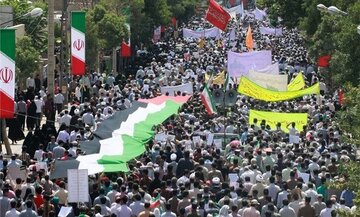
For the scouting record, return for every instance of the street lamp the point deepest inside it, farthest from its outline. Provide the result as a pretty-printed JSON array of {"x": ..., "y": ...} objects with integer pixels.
[
  {"x": 36, "y": 12},
  {"x": 331, "y": 10}
]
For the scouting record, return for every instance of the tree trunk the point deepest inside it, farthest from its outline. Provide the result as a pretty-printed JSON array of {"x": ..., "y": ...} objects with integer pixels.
[
  {"x": 5, "y": 138},
  {"x": 51, "y": 46},
  {"x": 114, "y": 62}
]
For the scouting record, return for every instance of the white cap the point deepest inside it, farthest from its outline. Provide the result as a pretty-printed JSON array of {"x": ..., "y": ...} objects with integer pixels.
[
  {"x": 215, "y": 180},
  {"x": 173, "y": 156}
]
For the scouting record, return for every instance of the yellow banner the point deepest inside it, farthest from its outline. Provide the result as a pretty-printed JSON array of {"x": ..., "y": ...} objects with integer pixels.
[
  {"x": 297, "y": 84},
  {"x": 272, "y": 118},
  {"x": 249, "y": 88}
]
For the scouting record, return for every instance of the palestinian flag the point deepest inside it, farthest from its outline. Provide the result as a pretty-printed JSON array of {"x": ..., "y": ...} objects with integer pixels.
[
  {"x": 207, "y": 99},
  {"x": 120, "y": 138},
  {"x": 78, "y": 42},
  {"x": 7, "y": 72}
]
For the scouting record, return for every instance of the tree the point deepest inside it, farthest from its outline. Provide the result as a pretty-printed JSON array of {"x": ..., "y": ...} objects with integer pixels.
[
  {"x": 92, "y": 42},
  {"x": 27, "y": 58},
  {"x": 112, "y": 30},
  {"x": 158, "y": 11},
  {"x": 183, "y": 10},
  {"x": 34, "y": 27}
]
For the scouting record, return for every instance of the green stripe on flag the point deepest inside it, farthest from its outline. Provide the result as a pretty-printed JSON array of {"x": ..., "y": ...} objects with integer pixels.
[
  {"x": 135, "y": 145},
  {"x": 7, "y": 42},
  {"x": 78, "y": 20}
]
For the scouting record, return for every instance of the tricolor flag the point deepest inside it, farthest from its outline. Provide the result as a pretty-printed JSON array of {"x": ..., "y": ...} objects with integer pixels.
[
  {"x": 7, "y": 72},
  {"x": 207, "y": 99},
  {"x": 249, "y": 40},
  {"x": 122, "y": 137},
  {"x": 155, "y": 201},
  {"x": 157, "y": 34},
  {"x": 126, "y": 46},
  {"x": 217, "y": 15},
  {"x": 78, "y": 42}
]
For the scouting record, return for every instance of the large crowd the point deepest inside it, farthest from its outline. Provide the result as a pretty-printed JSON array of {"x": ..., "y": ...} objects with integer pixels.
[{"x": 257, "y": 173}]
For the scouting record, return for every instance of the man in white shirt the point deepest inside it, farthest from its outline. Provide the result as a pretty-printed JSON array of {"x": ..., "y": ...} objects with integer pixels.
[
  {"x": 311, "y": 193},
  {"x": 64, "y": 135},
  {"x": 39, "y": 153},
  {"x": 168, "y": 212},
  {"x": 286, "y": 211},
  {"x": 88, "y": 118},
  {"x": 39, "y": 104},
  {"x": 14, "y": 168},
  {"x": 30, "y": 83},
  {"x": 124, "y": 210},
  {"x": 12, "y": 212},
  {"x": 137, "y": 206},
  {"x": 65, "y": 119},
  {"x": 59, "y": 101},
  {"x": 327, "y": 211}
]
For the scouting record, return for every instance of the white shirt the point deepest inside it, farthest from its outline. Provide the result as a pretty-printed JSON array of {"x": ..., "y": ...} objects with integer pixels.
[
  {"x": 287, "y": 211},
  {"x": 63, "y": 136},
  {"x": 88, "y": 118},
  {"x": 273, "y": 190},
  {"x": 137, "y": 207},
  {"x": 66, "y": 118},
  {"x": 12, "y": 213},
  {"x": 14, "y": 170},
  {"x": 30, "y": 82},
  {"x": 123, "y": 211},
  {"x": 39, "y": 105},
  {"x": 313, "y": 194},
  {"x": 59, "y": 98},
  {"x": 168, "y": 214},
  {"x": 326, "y": 212},
  {"x": 38, "y": 154}
]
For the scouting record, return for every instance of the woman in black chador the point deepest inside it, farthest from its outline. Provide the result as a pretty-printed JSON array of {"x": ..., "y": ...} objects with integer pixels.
[{"x": 15, "y": 131}]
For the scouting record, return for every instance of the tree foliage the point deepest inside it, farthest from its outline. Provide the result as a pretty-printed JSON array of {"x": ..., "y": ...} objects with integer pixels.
[
  {"x": 35, "y": 27},
  {"x": 27, "y": 57}
]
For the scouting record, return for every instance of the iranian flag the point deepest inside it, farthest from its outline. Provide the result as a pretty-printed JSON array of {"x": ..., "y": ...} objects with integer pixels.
[
  {"x": 155, "y": 201},
  {"x": 7, "y": 72},
  {"x": 78, "y": 42},
  {"x": 122, "y": 137},
  {"x": 206, "y": 98}
]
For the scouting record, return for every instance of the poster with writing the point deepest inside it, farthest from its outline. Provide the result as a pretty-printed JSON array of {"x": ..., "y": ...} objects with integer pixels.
[{"x": 78, "y": 187}]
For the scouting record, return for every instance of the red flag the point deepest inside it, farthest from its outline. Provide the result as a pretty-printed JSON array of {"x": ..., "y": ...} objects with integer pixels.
[
  {"x": 217, "y": 16},
  {"x": 162, "y": 29},
  {"x": 125, "y": 50},
  {"x": 323, "y": 61}
]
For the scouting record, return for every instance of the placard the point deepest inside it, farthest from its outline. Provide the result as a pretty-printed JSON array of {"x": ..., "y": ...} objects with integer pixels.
[
  {"x": 305, "y": 177},
  {"x": 210, "y": 139},
  {"x": 78, "y": 188},
  {"x": 196, "y": 140},
  {"x": 218, "y": 143},
  {"x": 64, "y": 211}
]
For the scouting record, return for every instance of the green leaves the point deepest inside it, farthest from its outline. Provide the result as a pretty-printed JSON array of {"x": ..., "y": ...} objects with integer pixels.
[{"x": 27, "y": 57}]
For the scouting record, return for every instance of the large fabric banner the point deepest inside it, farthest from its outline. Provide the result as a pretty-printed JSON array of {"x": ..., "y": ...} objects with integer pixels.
[
  {"x": 78, "y": 42},
  {"x": 172, "y": 90},
  {"x": 207, "y": 33},
  {"x": 269, "y": 81},
  {"x": 259, "y": 14},
  {"x": 240, "y": 63},
  {"x": 270, "y": 69},
  {"x": 297, "y": 84},
  {"x": 7, "y": 72},
  {"x": 273, "y": 118},
  {"x": 271, "y": 31},
  {"x": 251, "y": 89}
]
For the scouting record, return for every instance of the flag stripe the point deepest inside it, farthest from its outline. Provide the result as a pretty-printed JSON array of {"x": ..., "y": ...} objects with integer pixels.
[
  {"x": 208, "y": 101},
  {"x": 7, "y": 72},
  {"x": 78, "y": 20}
]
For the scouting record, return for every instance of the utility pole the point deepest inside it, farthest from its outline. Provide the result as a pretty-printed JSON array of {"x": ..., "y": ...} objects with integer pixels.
[
  {"x": 64, "y": 51},
  {"x": 51, "y": 57}
]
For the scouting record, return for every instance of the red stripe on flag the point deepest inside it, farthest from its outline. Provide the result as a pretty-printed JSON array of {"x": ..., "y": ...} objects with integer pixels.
[
  {"x": 206, "y": 104},
  {"x": 77, "y": 66},
  {"x": 7, "y": 106},
  {"x": 125, "y": 50}
]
